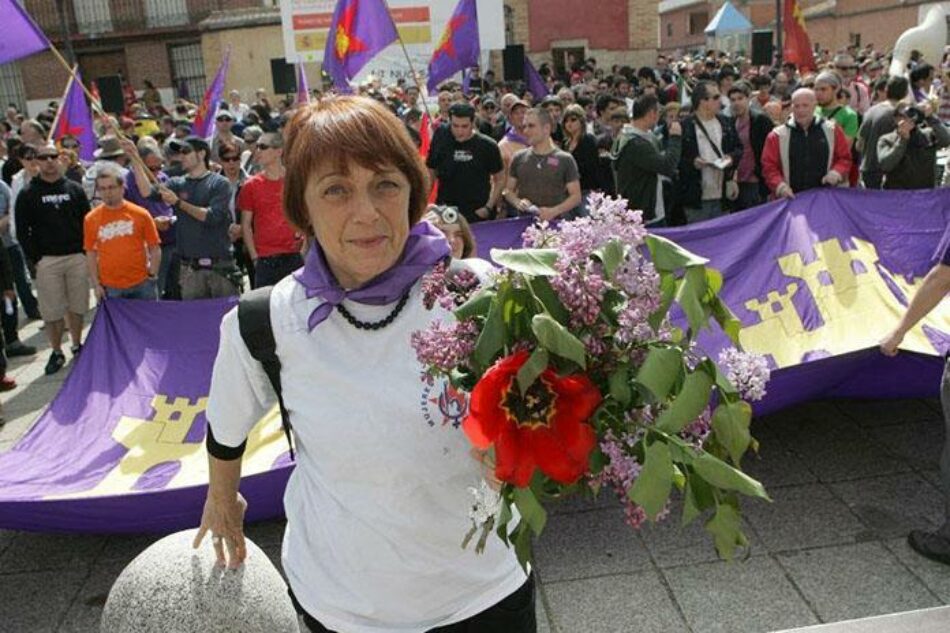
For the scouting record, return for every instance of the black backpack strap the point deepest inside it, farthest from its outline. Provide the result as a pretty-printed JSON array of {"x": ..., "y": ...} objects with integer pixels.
[{"x": 258, "y": 334}]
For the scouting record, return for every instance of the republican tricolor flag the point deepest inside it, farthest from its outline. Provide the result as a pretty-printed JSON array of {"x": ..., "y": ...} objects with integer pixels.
[
  {"x": 21, "y": 36},
  {"x": 75, "y": 119},
  {"x": 204, "y": 119},
  {"x": 359, "y": 30}
]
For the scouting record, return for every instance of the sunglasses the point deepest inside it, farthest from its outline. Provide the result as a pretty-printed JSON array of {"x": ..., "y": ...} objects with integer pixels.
[
  {"x": 230, "y": 159},
  {"x": 263, "y": 146},
  {"x": 70, "y": 145},
  {"x": 223, "y": 118},
  {"x": 48, "y": 157}
]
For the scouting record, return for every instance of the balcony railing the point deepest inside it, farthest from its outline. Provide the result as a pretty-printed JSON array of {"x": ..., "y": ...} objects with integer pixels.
[{"x": 98, "y": 18}]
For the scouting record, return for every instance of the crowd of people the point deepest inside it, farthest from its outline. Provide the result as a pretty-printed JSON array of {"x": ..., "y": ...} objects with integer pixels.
[{"x": 164, "y": 214}]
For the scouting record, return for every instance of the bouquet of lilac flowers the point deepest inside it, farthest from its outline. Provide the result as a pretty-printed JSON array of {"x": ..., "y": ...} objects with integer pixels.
[{"x": 579, "y": 381}]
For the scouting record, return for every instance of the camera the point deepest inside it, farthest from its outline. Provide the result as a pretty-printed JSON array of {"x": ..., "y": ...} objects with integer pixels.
[{"x": 915, "y": 114}]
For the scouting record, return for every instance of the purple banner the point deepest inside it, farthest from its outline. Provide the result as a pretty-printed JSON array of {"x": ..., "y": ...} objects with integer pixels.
[
  {"x": 203, "y": 125},
  {"x": 75, "y": 119},
  {"x": 817, "y": 282}
]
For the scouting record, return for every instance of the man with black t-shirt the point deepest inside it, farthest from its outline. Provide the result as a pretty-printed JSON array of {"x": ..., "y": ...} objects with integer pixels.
[
  {"x": 468, "y": 166},
  {"x": 49, "y": 225}
]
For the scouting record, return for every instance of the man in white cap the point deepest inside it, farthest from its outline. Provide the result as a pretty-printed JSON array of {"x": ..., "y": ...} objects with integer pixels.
[
  {"x": 223, "y": 122},
  {"x": 827, "y": 85}
]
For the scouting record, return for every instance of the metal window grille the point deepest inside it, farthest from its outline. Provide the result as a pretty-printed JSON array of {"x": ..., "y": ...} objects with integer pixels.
[
  {"x": 164, "y": 13},
  {"x": 509, "y": 25},
  {"x": 93, "y": 16},
  {"x": 11, "y": 87},
  {"x": 188, "y": 70}
]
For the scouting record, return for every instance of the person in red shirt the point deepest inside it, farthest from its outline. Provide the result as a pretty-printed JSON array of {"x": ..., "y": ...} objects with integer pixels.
[
  {"x": 273, "y": 245},
  {"x": 123, "y": 251}
]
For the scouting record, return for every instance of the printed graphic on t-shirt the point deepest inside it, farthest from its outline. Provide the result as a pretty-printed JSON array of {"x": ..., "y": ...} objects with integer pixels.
[
  {"x": 462, "y": 156},
  {"x": 118, "y": 228},
  {"x": 55, "y": 199},
  {"x": 442, "y": 404}
]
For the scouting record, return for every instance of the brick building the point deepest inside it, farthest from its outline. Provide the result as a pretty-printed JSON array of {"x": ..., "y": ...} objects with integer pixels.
[
  {"x": 831, "y": 24},
  {"x": 158, "y": 40}
]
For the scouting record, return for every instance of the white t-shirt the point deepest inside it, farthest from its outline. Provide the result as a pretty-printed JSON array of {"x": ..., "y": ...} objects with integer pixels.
[
  {"x": 712, "y": 177},
  {"x": 377, "y": 505}
]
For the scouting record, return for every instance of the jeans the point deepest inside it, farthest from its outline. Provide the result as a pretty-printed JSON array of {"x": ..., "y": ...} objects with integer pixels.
[
  {"x": 269, "y": 270},
  {"x": 749, "y": 196},
  {"x": 168, "y": 273},
  {"x": 710, "y": 209},
  {"x": 21, "y": 278},
  {"x": 514, "y": 614},
  {"x": 146, "y": 290}
]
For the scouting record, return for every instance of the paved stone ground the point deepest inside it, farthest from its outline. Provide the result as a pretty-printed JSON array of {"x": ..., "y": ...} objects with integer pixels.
[{"x": 849, "y": 479}]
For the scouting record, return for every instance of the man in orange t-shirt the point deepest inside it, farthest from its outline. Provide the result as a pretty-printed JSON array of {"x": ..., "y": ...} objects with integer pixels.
[{"x": 122, "y": 246}]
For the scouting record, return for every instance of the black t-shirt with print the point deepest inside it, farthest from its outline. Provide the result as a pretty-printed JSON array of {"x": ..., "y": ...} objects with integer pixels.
[{"x": 464, "y": 171}]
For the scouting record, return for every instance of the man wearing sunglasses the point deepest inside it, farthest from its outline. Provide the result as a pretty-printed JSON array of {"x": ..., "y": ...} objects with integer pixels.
[
  {"x": 49, "y": 225},
  {"x": 272, "y": 244},
  {"x": 200, "y": 200},
  {"x": 223, "y": 122}
]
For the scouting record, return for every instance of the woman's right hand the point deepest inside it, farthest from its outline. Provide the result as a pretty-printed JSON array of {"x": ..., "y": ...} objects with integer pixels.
[{"x": 224, "y": 518}]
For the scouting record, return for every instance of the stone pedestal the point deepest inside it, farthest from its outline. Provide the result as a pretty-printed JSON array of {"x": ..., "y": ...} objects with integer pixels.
[{"x": 172, "y": 588}]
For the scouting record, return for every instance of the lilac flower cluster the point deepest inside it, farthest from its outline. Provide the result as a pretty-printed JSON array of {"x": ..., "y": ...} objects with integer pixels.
[
  {"x": 698, "y": 430},
  {"x": 434, "y": 285},
  {"x": 444, "y": 347},
  {"x": 748, "y": 372},
  {"x": 581, "y": 289},
  {"x": 621, "y": 473}
]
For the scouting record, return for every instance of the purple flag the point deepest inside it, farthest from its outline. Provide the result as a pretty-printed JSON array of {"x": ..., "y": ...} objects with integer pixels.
[
  {"x": 75, "y": 119},
  {"x": 458, "y": 49},
  {"x": 466, "y": 81},
  {"x": 303, "y": 88},
  {"x": 21, "y": 36},
  {"x": 534, "y": 80},
  {"x": 204, "y": 119},
  {"x": 816, "y": 282},
  {"x": 358, "y": 31}
]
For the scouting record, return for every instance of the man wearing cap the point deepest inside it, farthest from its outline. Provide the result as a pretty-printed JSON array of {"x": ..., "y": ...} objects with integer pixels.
[
  {"x": 555, "y": 107},
  {"x": 827, "y": 84},
  {"x": 49, "y": 225},
  {"x": 201, "y": 201},
  {"x": 223, "y": 122},
  {"x": 468, "y": 167},
  {"x": 110, "y": 152}
]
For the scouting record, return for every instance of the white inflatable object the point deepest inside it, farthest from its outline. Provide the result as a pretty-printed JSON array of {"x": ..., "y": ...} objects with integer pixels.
[{"x": 928, "y": 37}]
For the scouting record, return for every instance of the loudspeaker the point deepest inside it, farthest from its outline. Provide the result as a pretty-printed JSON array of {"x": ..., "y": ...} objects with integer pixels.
[
  {"x": 284, "y": 76},
  {"x": 762, "y": 48},
  {"x": 110, "y": 93},
  {"x": 513, "y": 61}
]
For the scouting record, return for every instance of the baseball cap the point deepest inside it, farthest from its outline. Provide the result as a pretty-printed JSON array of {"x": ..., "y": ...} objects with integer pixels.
[
  {"x": 224, "y": 114},
  {"x": 195, "y": 142}
]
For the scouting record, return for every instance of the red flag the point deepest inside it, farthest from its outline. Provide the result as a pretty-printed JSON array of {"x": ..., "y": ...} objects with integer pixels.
[
  {"x": 425, "y": 144},
  {"x": 797, "y": 47}
]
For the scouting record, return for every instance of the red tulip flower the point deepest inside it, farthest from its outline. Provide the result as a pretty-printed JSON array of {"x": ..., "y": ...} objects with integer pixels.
[{"x": 546, "y": 428}]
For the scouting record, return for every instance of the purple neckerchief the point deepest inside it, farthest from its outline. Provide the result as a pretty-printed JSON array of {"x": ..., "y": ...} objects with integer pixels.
[
  {"x": 425, "y": 247},
  {"x": 512, "y": 135}
]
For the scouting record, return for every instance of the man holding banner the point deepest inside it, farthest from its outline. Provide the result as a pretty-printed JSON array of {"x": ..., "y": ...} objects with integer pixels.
[{"x": 936, "y": 286}]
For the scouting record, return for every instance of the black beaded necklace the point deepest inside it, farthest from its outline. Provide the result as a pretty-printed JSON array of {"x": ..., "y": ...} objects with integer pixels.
[{"x": 376, "y": 325}]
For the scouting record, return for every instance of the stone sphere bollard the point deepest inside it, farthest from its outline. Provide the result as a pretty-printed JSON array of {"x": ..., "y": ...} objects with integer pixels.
[{"x": 172, "y": 588}]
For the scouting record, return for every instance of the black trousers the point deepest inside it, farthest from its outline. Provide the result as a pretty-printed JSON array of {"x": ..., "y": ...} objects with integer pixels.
[
  {"x": 514, "y": 614},
  {"x": 269, "y": 270}
]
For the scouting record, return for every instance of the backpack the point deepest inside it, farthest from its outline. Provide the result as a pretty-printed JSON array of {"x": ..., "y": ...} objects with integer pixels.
[{"x": 258, "y": 335}]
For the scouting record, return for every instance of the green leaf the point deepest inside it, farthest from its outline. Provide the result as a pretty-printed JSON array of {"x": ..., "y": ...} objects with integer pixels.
[
  {"x": 668, "y": 255},
  {"x": 522, "y": 541},
  {"x": 668, "y": 287},
  {"x": 619, "y": 382},
  {"x": 730, "y": 423},
  {"x": 721, "y": 475},
  {"x": 492, "y": 337},
  {"x": 689, "y": 402},
  {"x": 728, "y": 321},
  {"x": 530, "y": 261},
  {"x": 504, "y": 518},
  {"x": 532, "y": 512},
  {"x": 477, "y": 305},
  {"x": 596, "y": 461},
  {"x": 611, "y": 255},
  {"x": 713, "y": 282},
  {"x": 726, "y": 528},
  {"x": 698, "y": 498},
  {"x": 660, "y": 370},
  {"x": 555, "y": 338},
  {"x": 652, "y": 487},
  {"x": 545, "y": 293},
  {"x": 529, "y": 372},
  {"x": 690, "y": 297}
]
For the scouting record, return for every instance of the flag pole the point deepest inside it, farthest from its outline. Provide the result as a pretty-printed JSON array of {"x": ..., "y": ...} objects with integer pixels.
[
  {"x": 412, "y": 71},
  {"x": 62, "y": 104},
  {"x": 97, "y": 107}
]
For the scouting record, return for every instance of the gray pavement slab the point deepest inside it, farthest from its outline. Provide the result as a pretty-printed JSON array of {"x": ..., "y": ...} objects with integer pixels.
[
  {"x": 36, "y": 602},
  {"x": 45, "y": 552},
  {"x": 749, "y": 596},
  {"x": 585, "y": 544},
  {"x": 912, "y": 442},
  {"x": 935, "y": 576},
  {"x": 844, "y": 582},
  {"x": 802, "y": 517},
  {"x": 775, "y": 465},
  {"x": 893, "y": 505},
  {"x": 613, "y": 604},
  {"x": 871, "y": 413},
  {"x": 936, "y": 620},
  {"x": 85, "y": 611}
]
